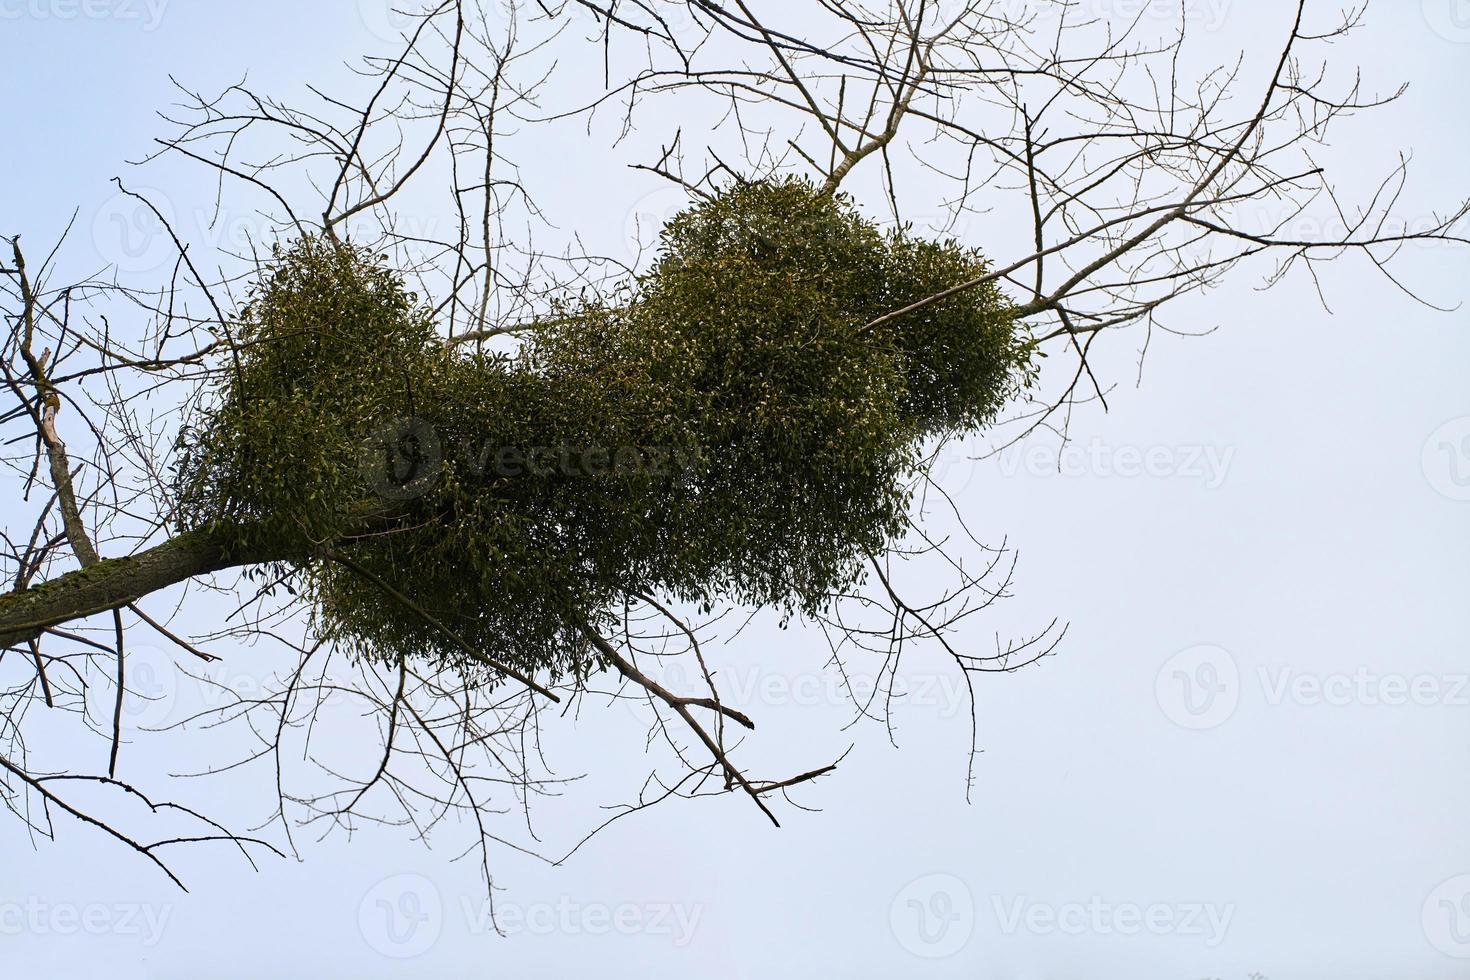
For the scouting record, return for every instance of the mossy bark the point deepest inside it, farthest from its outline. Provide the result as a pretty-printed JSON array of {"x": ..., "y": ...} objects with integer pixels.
[{"x": 115, "y": 582}]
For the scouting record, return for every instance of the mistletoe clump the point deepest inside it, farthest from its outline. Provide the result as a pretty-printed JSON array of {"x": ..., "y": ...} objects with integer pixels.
[{"x": 740, "y": 423}]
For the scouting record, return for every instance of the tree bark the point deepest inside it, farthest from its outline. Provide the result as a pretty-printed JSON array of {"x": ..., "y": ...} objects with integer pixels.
[{"x": 112, "y": 583}]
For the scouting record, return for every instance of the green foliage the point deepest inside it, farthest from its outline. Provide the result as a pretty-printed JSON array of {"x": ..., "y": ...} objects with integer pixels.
[
  {"x": 329, "y": 344},
  {"x": 732, "y": 426}
]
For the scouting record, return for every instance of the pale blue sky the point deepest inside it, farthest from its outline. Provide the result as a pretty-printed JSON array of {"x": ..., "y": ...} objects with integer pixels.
[{"x": 1279, "y": 510}]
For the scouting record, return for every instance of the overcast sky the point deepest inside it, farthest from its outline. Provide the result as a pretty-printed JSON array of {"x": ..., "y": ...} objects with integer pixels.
[{"x": 1248, "y": 758}]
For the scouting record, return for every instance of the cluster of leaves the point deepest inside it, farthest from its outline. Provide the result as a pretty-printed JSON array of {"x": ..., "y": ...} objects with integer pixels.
[{"x": 770, "y": 429}]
